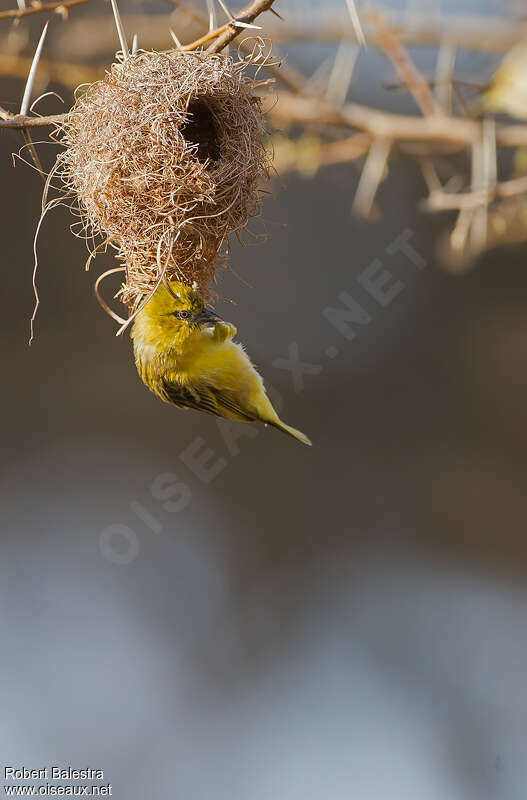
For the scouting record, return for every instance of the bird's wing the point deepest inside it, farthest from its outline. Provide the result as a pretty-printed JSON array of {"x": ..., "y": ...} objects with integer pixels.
[
  {"x": 207, "y": 398},
  {"x": 231, "y": 407}
]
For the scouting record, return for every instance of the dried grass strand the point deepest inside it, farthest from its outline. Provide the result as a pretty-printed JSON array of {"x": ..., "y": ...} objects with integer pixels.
[
  {"x": 167, "y": 145},
  {"x": 100, "y": 299}
]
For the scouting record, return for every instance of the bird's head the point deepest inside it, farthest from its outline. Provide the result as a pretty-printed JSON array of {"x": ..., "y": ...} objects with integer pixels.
[{"x": 171, "y": 317}]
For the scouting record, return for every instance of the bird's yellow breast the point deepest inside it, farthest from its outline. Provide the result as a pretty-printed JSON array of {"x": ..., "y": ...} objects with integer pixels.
[{"x": 201, "y": 361}]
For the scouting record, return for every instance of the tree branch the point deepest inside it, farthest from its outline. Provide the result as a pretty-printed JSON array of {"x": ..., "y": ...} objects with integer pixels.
[
  {"x": 437, "y": 128},
  {"x": 289, "y": 76},
  {"x": 92, "y": 39},
  {"x": 18, "y": 122},
  {"x": 247, "y": 16},
  {"x": 40, "y": 8}
]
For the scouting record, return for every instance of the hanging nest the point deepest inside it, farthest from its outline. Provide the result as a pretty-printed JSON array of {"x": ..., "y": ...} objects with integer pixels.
[{"x": 164, "y": 158}]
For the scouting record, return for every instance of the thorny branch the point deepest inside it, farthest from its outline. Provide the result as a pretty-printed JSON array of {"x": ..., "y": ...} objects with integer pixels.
[
  {"x": 19, "y": 122},
  {"x": 247, "y": 17},
  {"x": 224, "y": 34},
  {"x": 387, "y": 40},
  {"x": 40, "y": 8},
  {"x": 92, "y": 38},
  {"x": 336, "y": 131}
]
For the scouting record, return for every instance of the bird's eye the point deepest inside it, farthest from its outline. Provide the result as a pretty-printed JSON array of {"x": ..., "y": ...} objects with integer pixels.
[{"x": 183, "y": 314}]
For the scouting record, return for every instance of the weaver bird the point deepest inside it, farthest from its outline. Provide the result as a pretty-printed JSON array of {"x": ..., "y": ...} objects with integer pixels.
[
  {"x": 508, "y": 86},
  {"x": 185, "y": 353}
]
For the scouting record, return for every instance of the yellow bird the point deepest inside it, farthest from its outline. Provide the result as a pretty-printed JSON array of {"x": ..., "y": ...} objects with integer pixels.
[
  {"x": 185, "y": 353},
  {"x": 508, "y": 87}
]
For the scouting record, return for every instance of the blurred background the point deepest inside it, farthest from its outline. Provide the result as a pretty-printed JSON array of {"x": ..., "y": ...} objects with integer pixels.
[{"x": 208, "y": 611}]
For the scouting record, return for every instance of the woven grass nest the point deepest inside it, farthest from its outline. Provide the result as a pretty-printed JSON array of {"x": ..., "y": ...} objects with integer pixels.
[{"x": 164, "y": 158}]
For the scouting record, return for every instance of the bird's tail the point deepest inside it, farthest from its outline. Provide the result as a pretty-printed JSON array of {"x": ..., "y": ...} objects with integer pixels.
[{"x": 290, "y": 431}]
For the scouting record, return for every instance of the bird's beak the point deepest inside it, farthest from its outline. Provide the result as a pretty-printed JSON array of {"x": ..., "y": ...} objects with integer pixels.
[{"x": 207, "y": 317}]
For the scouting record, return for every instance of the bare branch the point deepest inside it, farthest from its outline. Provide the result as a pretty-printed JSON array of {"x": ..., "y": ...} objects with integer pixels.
[
  {"x": 371, "y": 177},
  {"x": 476, "y": 33},
  {"x": 24, "y": 106},
  {"x": 342, "y": 73},
  {"x": 224, "y": 34},
  {"x": 444, "y": 79},
  {"x": 16, "y": 122},
  {"x": 247, "y": 16},
  {"x": 355, "y": 21},
  {"x": 408, "y": 73},
  {"x": 120, "y": 29},
  {"x": 40, "y": 8},
  {"x": 439, "y": 128},
  {"x": 289, "y": 76},
  {"x": 92, "y": 38},
  {"x": 308, "y": 153}
]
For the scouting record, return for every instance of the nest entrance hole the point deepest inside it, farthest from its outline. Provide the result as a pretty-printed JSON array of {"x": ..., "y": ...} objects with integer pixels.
[{"x": 201, "y": 129}]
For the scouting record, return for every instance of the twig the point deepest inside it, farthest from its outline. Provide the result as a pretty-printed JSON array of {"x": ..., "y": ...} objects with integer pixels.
[
  {"x": 92, "y": 38},
  {"x": 444, "y": 78},
  {"x": 513, "y": 187},
  {"x": 371, "y": 177},
  {"x": 24, "y": 106},
  {"x": 120, "y": 29},
  {"x": 342, "y": 73},
  {"x": 484, "y": 170},
  {"x": 476, "y": 33},
  {"x": 439, "y": 128},
  {"x": 16, "y": 122},
  {"x": 308, "y": 153},
  {"x": 408, "y": 73},
  {"x": 207, "y": 37},
  {"x": 289, "y": 76},
  {"x": 224, "y": 34},
  {"x": 455, "y": 201},
  {"x": 430, "y": 175},
  {"x": 459, "y": 234},
  {"x": 345, "y": 150},
  {"x": 445, "y": 201},
  {"x": 316, "y": 84},
  {"x": 247, "y": 16},
  {"x": 238, "y": 23},
  {"x": 211, "y": 8},
  {"x": 355, "y": 21},
  {"x": 175, "y": 39},
  {"x": 478, "y": 225},
  {"x": 40, "y": 8}
]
